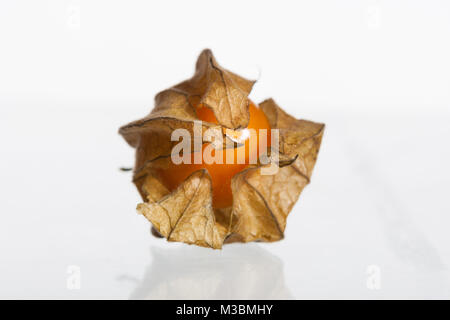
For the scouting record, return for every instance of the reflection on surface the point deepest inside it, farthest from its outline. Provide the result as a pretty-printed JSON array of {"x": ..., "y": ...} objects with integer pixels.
[
  {"x": 406, "y": 240},
  {"x": 236, "y": 272}
]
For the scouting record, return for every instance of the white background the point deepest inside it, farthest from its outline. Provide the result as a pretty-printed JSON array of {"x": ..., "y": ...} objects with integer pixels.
[{"x": 374, "y": 223}]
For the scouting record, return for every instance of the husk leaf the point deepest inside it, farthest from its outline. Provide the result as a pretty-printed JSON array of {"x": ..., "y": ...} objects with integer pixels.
[{"x": 187, "y": 215}]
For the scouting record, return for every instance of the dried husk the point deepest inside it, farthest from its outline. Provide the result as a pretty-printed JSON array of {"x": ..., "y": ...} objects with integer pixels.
[{"x": 261, "y": 203}]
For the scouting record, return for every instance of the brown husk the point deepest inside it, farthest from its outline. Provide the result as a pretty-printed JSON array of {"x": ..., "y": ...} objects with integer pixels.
[{"x": 261, "y": 203}]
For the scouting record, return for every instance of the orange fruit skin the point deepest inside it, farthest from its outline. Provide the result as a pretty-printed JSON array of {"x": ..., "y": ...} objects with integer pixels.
[{"x": 221, "y": 174}]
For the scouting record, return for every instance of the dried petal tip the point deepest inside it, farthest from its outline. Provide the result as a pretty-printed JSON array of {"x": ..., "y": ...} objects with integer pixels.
[{"x": 221, "y": 90}]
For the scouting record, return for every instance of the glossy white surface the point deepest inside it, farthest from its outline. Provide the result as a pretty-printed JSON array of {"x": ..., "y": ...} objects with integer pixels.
[{"x": 374, "y": 222}]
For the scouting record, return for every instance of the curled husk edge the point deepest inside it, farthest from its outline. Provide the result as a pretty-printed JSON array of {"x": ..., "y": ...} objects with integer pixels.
[{"x": 261, "y": 203}]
